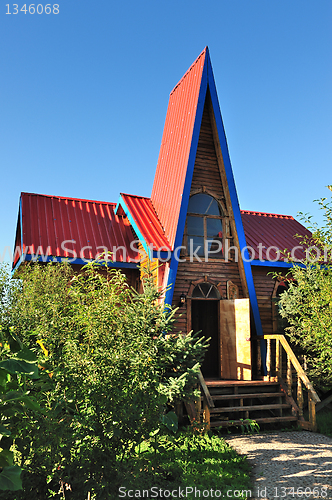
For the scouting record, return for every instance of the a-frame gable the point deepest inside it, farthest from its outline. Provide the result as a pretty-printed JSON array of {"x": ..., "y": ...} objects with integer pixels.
[
  {"x": 174, "y": 176},
  {"x": 178, "y": 148},
  {"x": 232, "y": 200}
]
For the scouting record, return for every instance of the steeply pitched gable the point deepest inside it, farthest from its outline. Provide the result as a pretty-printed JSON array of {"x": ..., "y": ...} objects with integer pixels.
[
  {"x": 176, "y": 147},
  {"x": 173, "y": 180}
]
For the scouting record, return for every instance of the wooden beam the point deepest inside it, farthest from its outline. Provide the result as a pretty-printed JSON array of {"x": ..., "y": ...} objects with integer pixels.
[
  {"x": 205, "y": 389},
  {"x": 323, "y": 403}
]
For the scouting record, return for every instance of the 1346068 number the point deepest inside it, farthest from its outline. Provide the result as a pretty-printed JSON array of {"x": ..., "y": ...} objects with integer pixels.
[
  {"x": 33, "y": 8},
  {"x": 301, "y": 492}
]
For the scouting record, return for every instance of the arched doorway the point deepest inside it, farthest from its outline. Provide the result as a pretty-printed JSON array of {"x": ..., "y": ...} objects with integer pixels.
[{"x": 205, "y": 299}]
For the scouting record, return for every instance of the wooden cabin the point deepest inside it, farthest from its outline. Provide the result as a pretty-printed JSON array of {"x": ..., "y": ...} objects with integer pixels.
[{"x": 214, "y": 259}]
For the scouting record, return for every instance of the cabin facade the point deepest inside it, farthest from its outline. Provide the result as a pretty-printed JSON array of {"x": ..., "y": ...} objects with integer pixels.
[{"x": 213, "y": 260}]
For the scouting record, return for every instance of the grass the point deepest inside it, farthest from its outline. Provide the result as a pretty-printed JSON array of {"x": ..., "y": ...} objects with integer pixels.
[
  {"x": 186, "y": 461},
  {"x": 324, "y": 422}
]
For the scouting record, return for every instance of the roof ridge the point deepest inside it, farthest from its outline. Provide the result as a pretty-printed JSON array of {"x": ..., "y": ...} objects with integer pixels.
[
  {"x": 152, "y": 206},
  {"x": 188, "y": 70},
  {"x": 68, "y": 198},
  {"x": 267, "y": 214},
  {"x": 136, "y": 196}
]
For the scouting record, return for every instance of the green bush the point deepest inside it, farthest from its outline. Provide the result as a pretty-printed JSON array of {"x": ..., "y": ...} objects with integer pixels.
[
  {"x": 307, "y": 304},
  {"x": 108, "y": 366}
]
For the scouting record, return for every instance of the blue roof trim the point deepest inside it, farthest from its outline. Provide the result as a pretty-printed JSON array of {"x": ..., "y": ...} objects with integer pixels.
[
  {"x": 234, "y": 199},
  {"x": 81, "y": 262},
  {"x": 21, "y": 222},
  {"x": 281, "y": 264},
  {"x": 126, "y": 210},
  {"x": 18, "y": 263},
  {"x": 20, "y": 260},
  {"x": 163, "y": 255},
  {"x": 187, "y": 184}
]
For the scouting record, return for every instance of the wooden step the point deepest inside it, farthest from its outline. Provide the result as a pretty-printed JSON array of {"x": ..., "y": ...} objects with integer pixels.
[
  {"x": 230, "y": 409},
  {"x": 257, "y": 395},
  {"x": 269, "y": 420},
  {"x": 238, "y": 383}
]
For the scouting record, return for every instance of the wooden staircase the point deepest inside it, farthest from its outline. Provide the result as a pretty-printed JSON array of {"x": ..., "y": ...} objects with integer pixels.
[
  {"x": 237, "y": 401},
  {"x": 280, "y": 397}
]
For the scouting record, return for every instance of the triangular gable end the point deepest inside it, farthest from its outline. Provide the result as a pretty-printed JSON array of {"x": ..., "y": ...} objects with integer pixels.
[
  {"x": 177, "y": 152},
  {"x": 172, "y": 185}
]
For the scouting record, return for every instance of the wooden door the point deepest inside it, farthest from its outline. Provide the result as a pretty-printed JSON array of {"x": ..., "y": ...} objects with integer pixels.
[
  {"x": 205, "y": 317},
  {"x": 235, "y": 348}
]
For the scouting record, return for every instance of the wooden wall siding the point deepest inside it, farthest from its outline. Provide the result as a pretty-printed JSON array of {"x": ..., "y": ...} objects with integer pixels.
[
  {"x": 206, "y": 177},
  {"x": 218, "y": 272},
  {"x": 206, "y": 170},
  {"x": 132, "y": 275},
  {"x": 264, "y": 285}
]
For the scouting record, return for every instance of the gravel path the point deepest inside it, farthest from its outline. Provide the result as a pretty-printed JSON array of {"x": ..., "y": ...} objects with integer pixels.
[{"x": 285, "y": 461}]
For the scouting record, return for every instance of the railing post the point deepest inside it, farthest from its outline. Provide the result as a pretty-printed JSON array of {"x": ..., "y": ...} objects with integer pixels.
[
  {"x": 289, "y": 375},
  {"x": 268, "y": 359},
  {"x": 206, "y": 413},
  {"x": 198, "y": 408},
  {"x": 299, "y": 396},
  {"x": 293, "y": 363},
  {"x": 278, "y": 359},
  {"x": 312, "y": 413}
]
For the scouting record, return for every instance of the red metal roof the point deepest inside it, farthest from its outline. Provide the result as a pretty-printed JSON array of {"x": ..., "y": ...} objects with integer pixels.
[
  {"x": 48, "y": 221},
  {"x": 175, "y": 147},
  {"x": 272, "y": 230},
  {"x": 146, "y": 220}
]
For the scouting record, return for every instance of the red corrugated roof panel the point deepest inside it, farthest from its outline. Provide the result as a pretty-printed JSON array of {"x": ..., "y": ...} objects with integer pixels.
[
  {"x": 272, "y": 230},
  {"x": 175, "y": 147},
  {"x": 67, "y": 225},
  {"x": 145, "y": 217}
]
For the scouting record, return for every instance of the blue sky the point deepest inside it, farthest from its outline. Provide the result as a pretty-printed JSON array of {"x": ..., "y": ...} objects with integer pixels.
[{"x": 85, "y": 93}]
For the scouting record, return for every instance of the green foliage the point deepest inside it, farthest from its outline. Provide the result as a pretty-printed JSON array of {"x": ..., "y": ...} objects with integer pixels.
[
  {"x": 324, "y": 421},
  {"x": 16, "y": 371},
  {"x": 307, "y": 304},
  {"x": 246, "y": 425},
  {"x": 108, "y": 365},
  {"x": 186, "y": 460}
]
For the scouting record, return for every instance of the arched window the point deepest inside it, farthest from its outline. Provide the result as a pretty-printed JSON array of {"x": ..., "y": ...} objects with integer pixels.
[
  {"x": 205, "y": 291},
  {"x": 204, "y": 227}
]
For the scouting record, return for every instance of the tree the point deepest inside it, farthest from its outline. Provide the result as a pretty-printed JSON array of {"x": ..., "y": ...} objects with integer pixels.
[
  {"x": 307, "y": 304},
  {"x": 108, "y": 366}
]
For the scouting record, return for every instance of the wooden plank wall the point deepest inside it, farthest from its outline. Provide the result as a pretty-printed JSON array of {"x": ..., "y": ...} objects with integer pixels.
[
  {"x": 206, "y": 170},
  {"x": 218, "y": 272},
  {"x": 206, "y": 176},
  {"x": 264, "y": 285},
  {"x": 132, "y": 275}
]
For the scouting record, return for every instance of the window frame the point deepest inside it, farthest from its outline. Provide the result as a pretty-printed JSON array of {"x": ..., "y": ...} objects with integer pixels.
[{"x": 205, "y": 217}]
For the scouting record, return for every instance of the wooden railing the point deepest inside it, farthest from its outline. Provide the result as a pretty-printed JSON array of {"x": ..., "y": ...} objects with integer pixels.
[
  {"x": 282, "y": 367},
  {"x": 281, "y": 363},
  {"x": 207, "y": 400}
]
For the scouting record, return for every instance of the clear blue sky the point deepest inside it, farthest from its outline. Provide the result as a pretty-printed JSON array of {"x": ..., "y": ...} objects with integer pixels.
[{"x": 84, "y": 96}]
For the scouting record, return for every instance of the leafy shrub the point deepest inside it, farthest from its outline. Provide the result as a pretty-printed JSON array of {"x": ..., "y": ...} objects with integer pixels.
[
  {"x": 307, "y": 304},
  {"x": 108, "y": 366}
]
